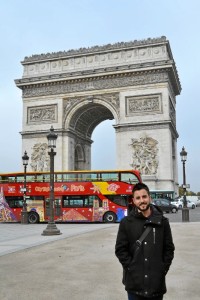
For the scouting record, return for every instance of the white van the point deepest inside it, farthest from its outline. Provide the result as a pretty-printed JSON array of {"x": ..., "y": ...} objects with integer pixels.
[{"x": 195, "y": 199}]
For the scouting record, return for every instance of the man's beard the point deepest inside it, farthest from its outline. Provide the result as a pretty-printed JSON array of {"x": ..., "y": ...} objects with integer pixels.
[{"x": 143, "y": 209}]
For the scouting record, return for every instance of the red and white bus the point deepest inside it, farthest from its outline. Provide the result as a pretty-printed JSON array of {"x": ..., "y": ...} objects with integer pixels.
[{"x": 80, "y": 196}]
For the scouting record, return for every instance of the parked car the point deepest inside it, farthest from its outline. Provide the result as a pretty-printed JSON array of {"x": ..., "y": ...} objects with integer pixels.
[
  {"x": 165, "y": 205},
  {"x": 179, "y": 203}
]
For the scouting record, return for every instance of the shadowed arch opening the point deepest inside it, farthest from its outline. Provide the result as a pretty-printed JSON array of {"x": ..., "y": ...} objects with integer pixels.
[
  {"x": 81, "y": 126},
  {"x": 87, "y": 117}
]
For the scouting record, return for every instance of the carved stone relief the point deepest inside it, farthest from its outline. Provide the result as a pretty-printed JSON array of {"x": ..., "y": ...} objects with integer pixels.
[
  {"x": 112, "y": 99},
  {"x": 145, "y": 155},
  {"x": 39, "y": 158},
  {"x": 143, "y": 104},
  {"x": 96, "y": 84},
  {"x": 46, "y": 113},
  {"x": 69, "y": 103}
]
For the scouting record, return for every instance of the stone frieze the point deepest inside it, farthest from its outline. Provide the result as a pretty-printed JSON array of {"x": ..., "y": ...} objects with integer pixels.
[{"x": 97, "y": 83}]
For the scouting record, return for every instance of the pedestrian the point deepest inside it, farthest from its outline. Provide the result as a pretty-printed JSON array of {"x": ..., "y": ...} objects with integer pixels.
[{"x": 144, "y": 247}]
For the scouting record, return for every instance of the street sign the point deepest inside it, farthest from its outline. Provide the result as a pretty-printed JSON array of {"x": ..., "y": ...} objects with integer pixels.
[{"x": 186, "y": 186}]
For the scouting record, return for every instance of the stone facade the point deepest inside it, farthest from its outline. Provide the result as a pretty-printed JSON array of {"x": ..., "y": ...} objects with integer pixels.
[{"x": 134, "y": 83}]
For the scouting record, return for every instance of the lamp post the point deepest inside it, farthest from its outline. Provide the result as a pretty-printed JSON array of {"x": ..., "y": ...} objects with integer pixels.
[
  {"x": 51, "y": 226},
  {"x": 185, "y": 210},
  {"x": 24, "y": 213}
]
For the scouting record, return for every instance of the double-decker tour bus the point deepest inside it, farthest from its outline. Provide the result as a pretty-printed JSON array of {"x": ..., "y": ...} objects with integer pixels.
[{"x": 79, "y": 196}]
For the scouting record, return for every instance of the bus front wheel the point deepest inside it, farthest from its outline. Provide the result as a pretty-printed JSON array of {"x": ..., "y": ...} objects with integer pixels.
[
  {"x": 33, "y": 218},
  {"x": 110, "y": 217}
]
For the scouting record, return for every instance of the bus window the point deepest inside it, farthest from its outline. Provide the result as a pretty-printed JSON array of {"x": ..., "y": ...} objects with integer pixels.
[
  {"x": 39, "y": 178},
  {"x": 80, "y": 201},
  {"x": 73, "y": 201},
  {"x": 87, "y": 176},
  {"x": 14, "y": 202},
  {"x": 46, "y": 178},
  {"x": 112, "y": 176},
  {"x": 69, "y": 177},
  {"x": 58, "y": 177},
  {"x": 129, "y": 178},
  {"x": 19, "y": 178},
  {"x": 81, "y": 176},
  {"x": 30, "y": 178},
  {"x": 89, "y": 200},
  {"x": 10, "y": 179},
  {"x": 118, "y": 199}
]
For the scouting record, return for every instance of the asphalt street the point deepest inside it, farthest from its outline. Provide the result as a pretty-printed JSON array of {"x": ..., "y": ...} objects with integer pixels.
[{"x": 194, "y": 215}]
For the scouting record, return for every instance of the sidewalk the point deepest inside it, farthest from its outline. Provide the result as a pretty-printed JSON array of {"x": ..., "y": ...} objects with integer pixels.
[{"x": 80, "y": 264}]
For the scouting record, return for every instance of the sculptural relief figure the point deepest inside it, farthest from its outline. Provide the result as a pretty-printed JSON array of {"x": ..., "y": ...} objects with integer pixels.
[
  {"x": 40, "y": 158},
  {"x": 146, "y": 104},
  {"x": 45, "y": 113},
  {"x": 145, "y": 155}
]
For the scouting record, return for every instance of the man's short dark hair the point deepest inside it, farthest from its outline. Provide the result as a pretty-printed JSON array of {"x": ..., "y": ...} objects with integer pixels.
[{"x": 140, "y": 186}]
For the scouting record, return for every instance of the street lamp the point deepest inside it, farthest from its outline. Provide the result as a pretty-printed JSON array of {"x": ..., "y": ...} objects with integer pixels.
[
  {"x": 24, "y": 213},
  {"x": 51, "y": 226},
  {"x": 185, "y": 210}
]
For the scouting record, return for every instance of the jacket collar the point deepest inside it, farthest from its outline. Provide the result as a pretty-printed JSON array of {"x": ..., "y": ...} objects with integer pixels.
[{"x": 155, "y": 217}]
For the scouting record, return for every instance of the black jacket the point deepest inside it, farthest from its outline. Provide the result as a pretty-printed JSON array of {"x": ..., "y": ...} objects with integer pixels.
[{"x": 145, "y": 275}]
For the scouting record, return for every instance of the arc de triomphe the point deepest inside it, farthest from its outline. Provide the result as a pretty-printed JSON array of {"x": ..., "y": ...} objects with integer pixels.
[{"x": 134, "y": 83}]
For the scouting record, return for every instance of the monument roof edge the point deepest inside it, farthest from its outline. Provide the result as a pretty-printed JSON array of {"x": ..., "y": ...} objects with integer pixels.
[{"x": 93, "y": 49}]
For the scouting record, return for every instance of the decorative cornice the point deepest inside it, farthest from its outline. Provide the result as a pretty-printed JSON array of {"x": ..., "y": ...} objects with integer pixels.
[
  {"x": 146, "y": 126},
  {"x": 94, "y": 72},
  {"x": 60, "y": 132},
  {"x": 95, "y": 83}
]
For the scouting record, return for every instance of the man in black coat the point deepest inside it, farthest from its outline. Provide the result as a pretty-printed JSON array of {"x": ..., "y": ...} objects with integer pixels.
[{"x": 145, "y": 264}]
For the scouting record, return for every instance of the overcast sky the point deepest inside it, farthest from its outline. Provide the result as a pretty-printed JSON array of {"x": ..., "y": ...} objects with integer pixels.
[{"x": 42, "y": 26}]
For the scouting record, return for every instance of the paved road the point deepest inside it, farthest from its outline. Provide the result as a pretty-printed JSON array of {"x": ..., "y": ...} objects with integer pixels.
[
  {"x": 194, "y": 215},
  {"x": 80, "y": 264},
  {"x": 16, "y": 236}
]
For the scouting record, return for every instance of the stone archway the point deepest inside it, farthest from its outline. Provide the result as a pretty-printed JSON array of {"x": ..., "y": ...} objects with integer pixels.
[
  {"x": 134, "y": 83},
  {"x": 82, "y": 115}
]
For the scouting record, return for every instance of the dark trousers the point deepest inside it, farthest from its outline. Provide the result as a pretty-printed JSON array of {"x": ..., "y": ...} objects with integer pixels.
[{"x": 135, "y": 297}]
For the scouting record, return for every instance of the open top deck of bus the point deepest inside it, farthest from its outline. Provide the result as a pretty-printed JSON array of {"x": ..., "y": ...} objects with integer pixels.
[{"x": 130, "y": 176}]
